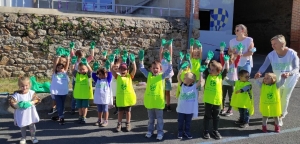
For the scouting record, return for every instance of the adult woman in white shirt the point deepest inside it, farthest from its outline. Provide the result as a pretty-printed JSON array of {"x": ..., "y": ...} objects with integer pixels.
[
  {"x": 283, "y": 61},
  {"x": 246, "y": 61}
]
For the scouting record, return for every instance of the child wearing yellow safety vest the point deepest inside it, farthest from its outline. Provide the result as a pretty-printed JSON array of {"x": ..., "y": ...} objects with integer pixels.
[
  {"x": 196, "y": 57},
  {"x": 154, "y": 99},
  {"x": 187, "y": 107},
  {"x": 125, "y": 95},
  {"x": 270, "y": 103},
  {"x": 212, "y": 96},
  {"x": 185, "y": 68},
  {"x": 242, "y": 98}
]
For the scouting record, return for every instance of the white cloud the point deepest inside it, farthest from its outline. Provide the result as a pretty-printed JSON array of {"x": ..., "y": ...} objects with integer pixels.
[{"x": 226, "y": 1}]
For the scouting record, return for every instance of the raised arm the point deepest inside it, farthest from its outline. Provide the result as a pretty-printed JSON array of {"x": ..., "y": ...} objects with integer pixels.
[
  {"x": 249, "y": 51},
  {"x": 161, "y": 53},
  {"x": 68, "y": 64},
  {"x": 178, "y": 76},
  {"x": 55, "y": 62},
  {"x": 263, "y": 68},
  {"x": 133, "y": 69},
  {"x": 91, "y": 57},
  {"x": 143, "y": 69}
]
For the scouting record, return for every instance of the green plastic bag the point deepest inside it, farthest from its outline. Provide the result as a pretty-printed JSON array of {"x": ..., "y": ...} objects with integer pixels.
[{"x": 39, "y": 87}]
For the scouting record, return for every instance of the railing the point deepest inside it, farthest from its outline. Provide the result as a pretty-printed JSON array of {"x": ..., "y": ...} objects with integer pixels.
[{"x": 68, "y": 5}]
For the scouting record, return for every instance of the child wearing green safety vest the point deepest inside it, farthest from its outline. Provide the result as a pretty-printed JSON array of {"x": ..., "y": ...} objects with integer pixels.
[
  {"x": 212, "y": 97},
  {"x": 242, "y": 98},
  {"x": 195, "y": 57},
  {"x": 154, "y": 99},
  {"x": 270, "y": 103},
  {"x": 185, "y": 67}
]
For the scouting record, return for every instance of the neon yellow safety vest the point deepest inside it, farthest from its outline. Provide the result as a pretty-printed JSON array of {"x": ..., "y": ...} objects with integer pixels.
[
  {"x": 242, "y": 100},
  {"x": 213, "y": 90},
  {"x": 83, "y": 88},
  {"x": 181, "y": 78},
  {"x": 195, "y": 67},
  {"x": 154, "y": 97},
  {"x": 125, "y": 93},
  {"x": 270, "y": 103}
]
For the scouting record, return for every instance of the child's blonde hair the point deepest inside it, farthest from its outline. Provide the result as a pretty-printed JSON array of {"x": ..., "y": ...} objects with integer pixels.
[
  {"x": 217, "y": 65},
  {"x": 280, "y": 38},
  {"x": 23, "y": 80},
  {"x": 190, "y": 75},
  {"x": 273, "y": 77},
  {"x": 243, "y": 27}
]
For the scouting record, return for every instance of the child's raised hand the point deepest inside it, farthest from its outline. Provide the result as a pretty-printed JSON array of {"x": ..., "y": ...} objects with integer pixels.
[
  {"x": 184, "y": 65},
  {"x": 96, "y": 66},
  {"x": 72, "y": 45},
  {"x": 199, "y": 45},
  {"x": 141, "y": 55},
  {"x": 132, "y": 57},
  {"x": 167, "y": 56},
  {"x": 60, "y": 51},
  {"x": 111, "y": 58},
  {"x": 124, "y": 58},
  {"x": 210, "y": 55},
  {"x": 192, "y": 42},
  {"x": 181, "y": 55},
  {"x": 169, "y": 42},
  {"x": 117, "y": 52},
  {"x": 92, "y": 45},
  {"x": 107, "y": 65},
  {"x": 226, "y": 58},
  {"x": 222, "y": 46},
  {"x": 67, "y": 53},
  {"x": 73, "y": 60},
  {"x": 84, "y": 61},
  {"x": 202, "y": 68},
  {"x": 188, "y": 56},
  {"x": 163, "y": 42},
  {"x": 104, "y": 53}
]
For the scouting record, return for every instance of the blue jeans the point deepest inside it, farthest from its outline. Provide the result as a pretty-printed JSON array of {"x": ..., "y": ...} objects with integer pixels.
[
  {"x": 73, "y": 101},
  {"x": 244, "y": 115},
  {"x": 246, "y": 67},
  {"x": 60, "y": 104},
  {"x": 184, "y": 119},
  {"x": 158, "y": 114}
]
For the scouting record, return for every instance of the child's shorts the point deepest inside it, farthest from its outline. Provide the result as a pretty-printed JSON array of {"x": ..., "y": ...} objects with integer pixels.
[
  {"x": 168, "y": 84},
  {"x": 82, "y": 103},
  {"x": 127, "y": 109},
  {"x": 102, "y": 107}
]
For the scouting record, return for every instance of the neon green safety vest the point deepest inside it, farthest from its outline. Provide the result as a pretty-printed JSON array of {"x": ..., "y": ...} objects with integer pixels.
[
  {"x": 125, "y": 93},
  {"x": 154, "y": 97},
  {"x": 181, "y": 78},
  {"x": 195, "y": 67},
  {"x": 270, "y": 103},
  {"x": 83, "y": 88},
  {"x": 213, "y": 90},
  {"x": 242, "y": 100}
]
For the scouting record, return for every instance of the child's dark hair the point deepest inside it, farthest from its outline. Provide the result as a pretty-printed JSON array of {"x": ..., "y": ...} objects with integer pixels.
[
  {"x": 59, "y": 64},
  {"x": 156, "y": 63},
  {"x": 243, "y": 72},
  {"x": 103, "y": 71},
  {"x": 216, "y": 64},
  {"x": 79, "y": 53}
]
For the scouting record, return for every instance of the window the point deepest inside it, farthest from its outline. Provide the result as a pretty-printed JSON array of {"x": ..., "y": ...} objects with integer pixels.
[
  {"x": 98, "y": 5},
  {"x": 17, "y": 3},
  {"x": 204, "y": 16}
]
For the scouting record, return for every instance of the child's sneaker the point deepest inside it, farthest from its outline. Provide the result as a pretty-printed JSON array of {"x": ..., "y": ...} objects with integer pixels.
[
  {"x": 169, "y": 109},
  {"x": 23, "y": 141},
  {"x": 280, "y": 123},
  {"x": 55, "y": 118},
  {"x": 98, "y": 123},
  {"x": 206, "y": 134},
  {"x": 159, "y": 137},
  {"x": 62, "y": 121},
  {"x": 239, "y": 122},
  {"x": 188, "y": 135},
  {"x": 79, "y": 120},
  {"x": 217, "y": 135},
  {"x": 228, "y": 113},
  {"x": 128, "y": 127},
  {"x": 148, "y": 135},
  {"x": 277, "y": 128},
  {"x": 119, "y": 126},
  {"x": 264, "y": 129},
  {"x": 52, "y": 111},
  {"x": 222, "y": 112},
  {"x": 180, "y": 135},
  {"x": 104, "y": 124},
  {"x": 34, "y": 140},
  {"x": 245, "y": 125},
  {"x": 83, "y": 121}
]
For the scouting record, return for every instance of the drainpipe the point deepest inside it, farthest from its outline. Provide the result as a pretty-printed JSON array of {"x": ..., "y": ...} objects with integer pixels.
[{"x": 191, "y": 24}]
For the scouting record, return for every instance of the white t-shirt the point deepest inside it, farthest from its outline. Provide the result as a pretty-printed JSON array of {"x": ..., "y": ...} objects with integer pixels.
[
  {"x": 113, "y": 85},
  {"x": 60, "y": 84},
  {"x": 165, "y": 65},
  {"x": 232, "y": 74},
  {"x": 25, "y": 117},
  {"x": 246, "y": 43},
  {"x": 188, "y": 100},
  {"x": 103, "y": 92}
]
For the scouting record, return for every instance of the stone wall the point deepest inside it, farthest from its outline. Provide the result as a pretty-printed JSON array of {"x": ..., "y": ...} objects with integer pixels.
[
  {"x": 28, "y": 40},
  {"x": 264, "y": 19}
]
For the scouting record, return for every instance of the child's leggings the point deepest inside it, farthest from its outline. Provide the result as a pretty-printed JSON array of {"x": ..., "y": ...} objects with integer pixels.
[
  {"x": 265, "y": 120},
  {"x": 31, "y": 128}
]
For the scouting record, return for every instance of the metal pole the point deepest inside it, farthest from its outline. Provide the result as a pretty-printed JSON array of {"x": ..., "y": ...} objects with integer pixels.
[{"x": 191, "y": 24}]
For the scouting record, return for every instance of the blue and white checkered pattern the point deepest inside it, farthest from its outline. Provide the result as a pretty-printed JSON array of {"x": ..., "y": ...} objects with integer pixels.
[{"x": 218, "y": 19}]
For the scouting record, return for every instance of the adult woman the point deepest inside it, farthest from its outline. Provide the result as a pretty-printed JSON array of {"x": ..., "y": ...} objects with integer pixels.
[
  {"x": 246, "y": 62},
  {"x": 283, "y": 61}
]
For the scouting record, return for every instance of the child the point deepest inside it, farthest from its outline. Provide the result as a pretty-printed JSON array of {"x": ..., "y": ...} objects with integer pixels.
[
  {"x": 125, "y": 97},
  {"x": 60, "y": 88},
  {"x": 24, "y": 101},
  {"x": 187, "y": 107},
  {"x": 196, "y": 57},
  {"x": 242, "y": 98},
  {"x": 113, "y": 84},
  {"x": 83, "y": 90},
  {"x": 212, "y": 96},
  {"x": 270, "y": 103},
  {"x": 102, "y": 95},
  {"x": 168, "y": 80},
  {"x": 154, "y": 96},
  {"x": 232, "y": 75},
  {"x": 185, "y": 68}
]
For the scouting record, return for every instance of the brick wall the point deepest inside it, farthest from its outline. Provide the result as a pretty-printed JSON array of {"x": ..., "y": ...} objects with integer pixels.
[
  {"x": 188, "y": 8},
  {"x": 265, "y": 19},
  {"x": 295, "y": 26}
]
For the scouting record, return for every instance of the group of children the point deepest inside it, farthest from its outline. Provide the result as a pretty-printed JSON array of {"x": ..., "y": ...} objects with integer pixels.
[{"x": 112, "y": 78}]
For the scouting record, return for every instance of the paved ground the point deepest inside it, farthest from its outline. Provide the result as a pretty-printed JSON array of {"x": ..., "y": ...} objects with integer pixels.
[{"x": 49, "y": 132}]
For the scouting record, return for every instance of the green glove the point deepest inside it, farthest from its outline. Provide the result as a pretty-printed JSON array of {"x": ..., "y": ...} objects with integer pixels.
[
  {"x": 188, "y": 56},
  {"x": 73, "y": 60},
  {"x": 199, "y": 45},
  {"x": 132, "y": 57},
  {"x": 240, "y": 47},
  {"x": 104, "y": 53},
  {"x": 84, "y": 61},
  {"x": 67, "y": 53},
  {"x": 203, "y": 68},
  {"x": 72, "y": 45},
  {"x": 107, "y": 65},
  {"x": 210, "y": 55},
  {"x": 222, "y": 46},
  {"x": 226, "y": 58},
  {"x": 111, "y": 58},
  {"x": 27, "y": 104},
  {"x": 167, "y": 56},
  {"x": 163, "y": 42},
  {"x": 141, "y": 55},
  {"x": 92, "y": 45},
  {"x": 96, "y": 66},
  {"x": 170, "y": 42},
  {"x": 124, "y": 58},
  {"x": 117, "y": 51},
  {"x": 60, "y": 51},
  {"x": 125, "y": 52},
  {"x": 181, "y": 55},
  {"x": 184, "y": 65},
  {"x": 192, "y": 42}
]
